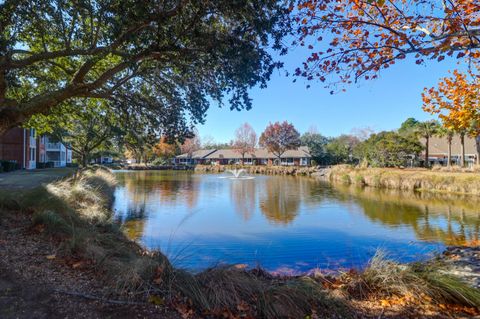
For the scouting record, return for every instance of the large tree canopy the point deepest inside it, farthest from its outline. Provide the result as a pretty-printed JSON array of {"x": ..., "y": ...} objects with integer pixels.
[
  {"x": 84, "y": 126},
  {"x": 354, "y": 39},
  {"x": 185, "y": 51},
  {"x": 280, "y": 137}
]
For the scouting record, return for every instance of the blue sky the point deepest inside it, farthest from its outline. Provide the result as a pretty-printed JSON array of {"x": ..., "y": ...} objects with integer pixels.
[{"x": 382, "y": 104}]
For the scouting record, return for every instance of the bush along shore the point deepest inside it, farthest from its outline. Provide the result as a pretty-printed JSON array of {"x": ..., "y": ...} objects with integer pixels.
[
  {"x": 261, "y": 169},
  {"x": 72, "y": 218},
  {"x": 407, "y": 179}
]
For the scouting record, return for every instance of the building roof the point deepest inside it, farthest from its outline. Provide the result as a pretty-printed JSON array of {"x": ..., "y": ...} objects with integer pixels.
[
  {"x": 197, "y": 154},
  {"x": 302, "y": 151},
  {"x": 439, "y": 146}
]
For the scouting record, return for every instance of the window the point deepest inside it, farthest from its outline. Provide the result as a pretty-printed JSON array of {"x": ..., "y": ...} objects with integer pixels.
[
  {"x": 32, "y": 132},
  {"x": 32, "y": 154},
  {"x": 287, "y": 161}
]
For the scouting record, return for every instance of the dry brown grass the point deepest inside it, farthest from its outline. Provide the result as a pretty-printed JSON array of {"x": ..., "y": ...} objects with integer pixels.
[
  {"x": 465, "y": 182},
  {"x": 255, "y": 294},
  {"x": 259, "y": 169},
  {"x": 76, "y": 212},
  {"x": 384, "y": 278}
]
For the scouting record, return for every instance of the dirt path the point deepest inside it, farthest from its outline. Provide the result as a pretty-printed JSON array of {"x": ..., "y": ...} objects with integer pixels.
[
  {"x": 27, "y": 179},
  {"x": 31, "y": 276}
]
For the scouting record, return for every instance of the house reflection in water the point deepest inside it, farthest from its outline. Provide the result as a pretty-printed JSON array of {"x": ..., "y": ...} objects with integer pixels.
[{"x": 284, "y": 221}]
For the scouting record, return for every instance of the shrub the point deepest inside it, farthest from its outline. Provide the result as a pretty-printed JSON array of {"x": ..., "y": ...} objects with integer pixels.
[
  {"x": 359, "y": 180},
  {"x": 40, "y": 165},
  {"x": 9, "y": 166},
  {"x": 346, "y": 178},
  {"x": 160, "y": 162}
]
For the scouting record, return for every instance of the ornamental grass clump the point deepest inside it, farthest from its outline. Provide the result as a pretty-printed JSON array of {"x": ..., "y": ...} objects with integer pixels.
[
  {"x": 384, "y": 278},
  {"x": 76, "y": 212},
  {"x": 255, "y": 293}
]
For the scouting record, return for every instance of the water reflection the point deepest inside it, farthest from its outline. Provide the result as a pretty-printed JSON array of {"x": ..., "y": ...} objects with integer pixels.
[
  {"x": 450, "y": 219},
  {"x": 286, "y": 222},
  {"x": 280, "y": 200},
  {"x": 243, "y": 195}
]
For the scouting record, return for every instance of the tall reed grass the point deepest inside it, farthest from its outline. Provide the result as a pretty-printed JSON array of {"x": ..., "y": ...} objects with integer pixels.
[{"x": 464, "y": 182}]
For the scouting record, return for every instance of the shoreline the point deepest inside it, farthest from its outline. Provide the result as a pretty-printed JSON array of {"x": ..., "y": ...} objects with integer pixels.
[
  {"x": 211, "y": 291},
  {"x": 416, "y": 180}
]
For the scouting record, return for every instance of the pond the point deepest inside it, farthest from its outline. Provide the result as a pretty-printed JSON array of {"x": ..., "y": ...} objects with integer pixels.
[{"x": 285, "y": 224}]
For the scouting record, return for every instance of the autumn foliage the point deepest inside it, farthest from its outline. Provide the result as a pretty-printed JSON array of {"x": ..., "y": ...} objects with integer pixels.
[
  {"x": 280, "y": 137},
  {"x": 163, "y": 149},
  {"x": 190, "y": 145},
  {"x": 355, "y": 39},
  {"x": 456, "y": 101},
  {"x": 245, "y": 140}
]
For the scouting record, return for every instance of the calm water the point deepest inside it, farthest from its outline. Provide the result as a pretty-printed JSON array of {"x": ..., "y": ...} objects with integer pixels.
[{"x": 285, "y": 224}]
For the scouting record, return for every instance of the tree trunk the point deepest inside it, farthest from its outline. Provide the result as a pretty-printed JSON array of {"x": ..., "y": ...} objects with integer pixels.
[
  {"x": 462, "y": 149},
  {"x": 84, "y": 160},
  {"x": 427, "y": 142},
  {"x": 449, "y": 157},
  {"x": 477, "y": 144}
]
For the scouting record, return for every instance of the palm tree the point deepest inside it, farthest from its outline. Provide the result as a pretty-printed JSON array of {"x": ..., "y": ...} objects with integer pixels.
[
  {"x": 426, "y": 130},
  {"x": 448, "y": 133},
  {"x": 462, "y": 148}
]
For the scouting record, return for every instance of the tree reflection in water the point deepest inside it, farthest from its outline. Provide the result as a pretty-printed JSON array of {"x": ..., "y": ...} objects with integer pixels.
[
  {"x": 140, "y": 189},
  {"x": 280, "y": 199},
  {"x": 243, "y": 195},
  {"x": 157, "y": 202},
  {"x": 450, "y": 219}
]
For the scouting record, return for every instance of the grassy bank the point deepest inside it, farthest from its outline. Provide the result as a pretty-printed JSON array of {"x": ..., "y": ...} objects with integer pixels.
[
  {"x": 408, "y": 179},
  {"x": 259, "y": 169},
  {"x": 75, "y": 213}
]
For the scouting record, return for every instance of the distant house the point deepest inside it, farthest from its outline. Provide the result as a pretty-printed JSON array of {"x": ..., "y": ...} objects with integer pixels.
[
  {"x": 51, "y": 151},
  {"x": 438, "y": 151},
  {"x": 23, "y": 147},
  {"x": 103, "y": 157},
  {"x": 298, "y": 157},
  {"x": 197, "y": 157}
]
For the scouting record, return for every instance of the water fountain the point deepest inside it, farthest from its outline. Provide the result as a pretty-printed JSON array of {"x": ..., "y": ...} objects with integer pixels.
[{"x": 237, "y": 174}]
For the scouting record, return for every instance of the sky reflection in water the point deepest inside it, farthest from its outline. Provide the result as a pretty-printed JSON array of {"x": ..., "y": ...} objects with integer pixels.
[{"x": 285, "y": 224}]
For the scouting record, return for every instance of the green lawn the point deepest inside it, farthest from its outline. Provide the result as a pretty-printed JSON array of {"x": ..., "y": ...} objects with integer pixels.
[{"x": 22, "y": 179}]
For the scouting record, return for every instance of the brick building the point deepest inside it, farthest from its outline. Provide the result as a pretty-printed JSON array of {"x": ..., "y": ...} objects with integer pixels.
[
  {"x": 25, "y": 148},
  {"x": 20, "y": 146}
]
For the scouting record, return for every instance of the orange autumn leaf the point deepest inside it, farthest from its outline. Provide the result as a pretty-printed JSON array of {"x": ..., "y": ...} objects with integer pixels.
[
  {"x": 456, "y": 101},
  {"x": 367, "y": 36}
]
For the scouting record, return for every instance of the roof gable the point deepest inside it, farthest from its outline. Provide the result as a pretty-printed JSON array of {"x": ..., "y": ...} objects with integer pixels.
[{"x": 230, "y": 153}]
